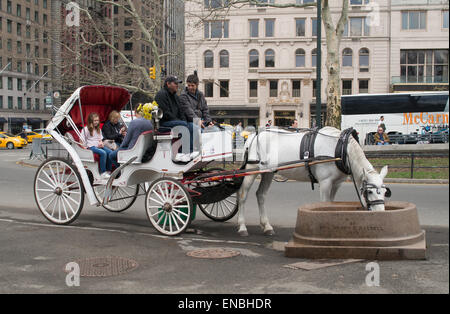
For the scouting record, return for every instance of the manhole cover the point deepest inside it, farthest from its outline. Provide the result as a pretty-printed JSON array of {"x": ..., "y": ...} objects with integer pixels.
[
  {"x": 105, "y": 266},
  {"x": 213, "y": 253}
]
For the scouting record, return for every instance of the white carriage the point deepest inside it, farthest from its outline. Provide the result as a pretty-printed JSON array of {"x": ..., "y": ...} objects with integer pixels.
[{"x": 171, "y": 189}]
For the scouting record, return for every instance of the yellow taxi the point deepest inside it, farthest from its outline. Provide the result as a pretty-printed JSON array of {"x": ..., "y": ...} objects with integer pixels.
[
  {"x": 10, "y": 141},
  {"x": 244, "y": 133},
  {"x": 29, "y": 136}
]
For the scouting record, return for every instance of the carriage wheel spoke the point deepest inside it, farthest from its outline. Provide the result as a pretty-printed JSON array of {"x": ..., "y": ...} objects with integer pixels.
[
  {"x": 64, "y": 207},
  {"x": 170, "y": 222},
  {"x": 49, "y": 178},
  {"x": 180, "y": 212},
  {"x": 175, "y": 221},
  {"x": 159, "y": 211},
  {"x": 67, "y": 202},
  {"x": 48, "y": 184},
  {"x": 179, "y": 218},
  {"x": 156, "y": 201}
]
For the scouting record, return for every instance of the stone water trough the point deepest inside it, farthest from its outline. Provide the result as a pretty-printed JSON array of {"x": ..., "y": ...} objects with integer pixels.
[{"x": 346, "y": 230}]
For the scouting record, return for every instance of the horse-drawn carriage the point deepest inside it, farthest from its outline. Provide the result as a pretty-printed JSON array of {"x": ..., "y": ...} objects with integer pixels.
[{"x": 172, "y": 190}]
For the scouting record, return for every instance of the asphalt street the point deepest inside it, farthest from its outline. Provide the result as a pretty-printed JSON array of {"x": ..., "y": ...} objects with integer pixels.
[{"x": 33, "y": 252}]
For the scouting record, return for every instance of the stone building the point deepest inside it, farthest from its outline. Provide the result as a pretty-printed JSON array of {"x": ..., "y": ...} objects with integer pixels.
[{"x": 258, "y": 63}]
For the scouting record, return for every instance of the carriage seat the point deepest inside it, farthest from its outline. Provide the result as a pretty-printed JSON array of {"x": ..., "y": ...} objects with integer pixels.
[
  {"x": 144, "y": 141},
  {"x": 84, "y": 153}
]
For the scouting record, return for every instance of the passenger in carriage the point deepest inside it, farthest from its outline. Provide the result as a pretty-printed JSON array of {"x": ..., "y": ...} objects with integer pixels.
[
  {"x": 173, "y": 114},
  {"x": 194, "y": 103},
  {"x": 113, "y": 130},
  {"x": 137, "y": 127},
  {"x": 92, "y": 138}
]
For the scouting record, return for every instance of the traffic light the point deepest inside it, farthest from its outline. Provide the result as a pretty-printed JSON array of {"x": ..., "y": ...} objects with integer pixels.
[{"x": 152, "y": 73}]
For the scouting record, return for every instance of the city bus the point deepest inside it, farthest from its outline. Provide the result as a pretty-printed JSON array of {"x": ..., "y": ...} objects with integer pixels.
[{"x": 404, "y": 113}]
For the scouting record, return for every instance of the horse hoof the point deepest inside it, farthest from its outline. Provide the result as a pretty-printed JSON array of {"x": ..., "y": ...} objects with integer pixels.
[
  {"x": 243, "y": 233},
  {"x": 269, "y": 232}
]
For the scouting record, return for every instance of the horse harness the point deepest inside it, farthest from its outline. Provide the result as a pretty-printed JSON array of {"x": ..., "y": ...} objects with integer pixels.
[{"x": 307, "y": 151}]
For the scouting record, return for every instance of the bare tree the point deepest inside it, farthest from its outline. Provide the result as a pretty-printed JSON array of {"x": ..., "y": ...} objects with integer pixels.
[
  {"x": 219, "y": 8},
  {"x": 94, "y": 53}
]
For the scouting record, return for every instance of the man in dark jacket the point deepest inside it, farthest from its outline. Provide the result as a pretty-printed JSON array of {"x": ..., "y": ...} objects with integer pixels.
[
  {"x": 173, "y": 115},
  {"x": 194, "y": 104}
]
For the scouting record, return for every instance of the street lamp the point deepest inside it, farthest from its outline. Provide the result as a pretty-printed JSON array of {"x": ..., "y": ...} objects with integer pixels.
[{"x": 319, "y": 66}]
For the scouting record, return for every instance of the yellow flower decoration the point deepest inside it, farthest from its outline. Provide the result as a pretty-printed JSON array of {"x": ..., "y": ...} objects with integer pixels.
[{"x": 146, "y": 109}]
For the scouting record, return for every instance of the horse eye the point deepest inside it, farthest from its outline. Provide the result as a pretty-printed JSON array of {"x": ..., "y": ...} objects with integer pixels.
[{"x": 370, "y": 192}]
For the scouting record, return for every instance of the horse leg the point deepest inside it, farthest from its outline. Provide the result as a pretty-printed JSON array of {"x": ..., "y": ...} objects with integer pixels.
[
  {"x": 242, "y": 197},
  {"x": 266, "y": 181},
  {"x": 335, "y": 187},
  {"x": 326, "y": 187}
]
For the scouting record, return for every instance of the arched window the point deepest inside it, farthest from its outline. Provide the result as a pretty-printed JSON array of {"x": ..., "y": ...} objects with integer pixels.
[
  {"x": 314, "y": 57},
  {"x": 253, "y": 58},
  {"x": 347, "y": 57},
  {"x": 299, "y": 57},
  {"x": 364, "y": 60},
  {"x": 208, "y": 57},
  {"x": 224, "y": 59},
  {"x": 270, "y": 58}
]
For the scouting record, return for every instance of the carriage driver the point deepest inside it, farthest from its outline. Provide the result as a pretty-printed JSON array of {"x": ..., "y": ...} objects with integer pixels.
[{"x": 173, "y": 114}]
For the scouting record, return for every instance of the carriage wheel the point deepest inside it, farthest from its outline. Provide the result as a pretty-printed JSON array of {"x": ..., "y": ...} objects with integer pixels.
[
  {"x": 58, "y": 191},
  {"x": 169, "y": 206},
  {"x": 222, "y": 210},
  {"x": 122, "y": 197}
]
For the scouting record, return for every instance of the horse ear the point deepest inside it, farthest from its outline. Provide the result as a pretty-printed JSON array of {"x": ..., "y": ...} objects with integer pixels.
[{"x": 384, "y": 172}]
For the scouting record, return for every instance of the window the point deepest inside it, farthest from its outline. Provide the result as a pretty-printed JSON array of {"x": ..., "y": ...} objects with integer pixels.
[
  {"x": 36, "y": 104},
  {"x": 29, "y": 84},
  {"x": 128, "y": 33},
  {"x": 10, "y": 64},
  {"x": 270, "y": 58},
  {"x": 44, "y": 19},
  {"x": 9, "y": 45},
  {"x": 128, "y": 46},
  {"x": 19, "y": 102},
  {"x": 299, "y": 57},
  {"x": 19, "y": 66},
  {"x": 44, "y": 4},
  {"x": 10, "y": 102},
  {"x": 128, "y": 21},
  {"x": 359, "y": 2},
  {"x": 346, "y": 87},
  {"x": 19, "y": 47},
  {"x": 358, "y": 27},
  {"x": 300, "y": 27},
  {"x": 208, "y": 57},
  {"x": 28, "y": 13},
  {"x": 270, "y": 27},
  {"x": 253, "y": 58},
  {"x": 254, "y": 28},
  {"x": 224, "y": 59},
  {"x": 9, "y": 7},
  {"x": 414, "y": 20},
  {"x": 296, "y": 86},
  {"x": 19, "y": 10},
  {"x": 36, "y": 16},
  {"x": 36, "y": 51},
  {"x": 9, "y": 26},
  {"x": 347, "y": 57},
  {"x": 1, "y": 99},
  {"x": 273, "y": 88},
  {"x": 424, "y": 66},
  {"x": 37, "y": 87},
  {"x": 28, "y": 31},
  {"x": 364, "y": 60},
  {"x": 209, "y": 88},
  {"x": 215, "y": 4},
  {"x": 445, "y": 19},
  {"x": 10, "y": 83},
  {"x": 314, "y": 88},
  {"x": 363, "y": 86},
  {"x": 314, "y": 27},
  {"x": 19, "y": 29},
  {"x": 253, "y": 88},
  {"x": 224, "y": 88},
  {"x": 314, "y": 57},
  {"x": 216, "y": 29},
  {"x": 36, "y": 69},
  {"x": 28, "y": 103}
]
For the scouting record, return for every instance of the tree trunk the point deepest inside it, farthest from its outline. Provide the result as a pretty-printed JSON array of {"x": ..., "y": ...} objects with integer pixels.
[{"x": 333, "y": 84}]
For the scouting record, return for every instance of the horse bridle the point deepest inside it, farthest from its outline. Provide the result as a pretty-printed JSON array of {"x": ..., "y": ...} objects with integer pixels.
[{"x": 365, "y": 190}]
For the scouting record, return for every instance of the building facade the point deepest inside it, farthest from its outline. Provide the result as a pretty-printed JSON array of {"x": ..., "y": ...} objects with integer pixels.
[
  {"x": 174, "y": 38},
  {"x": 25, "y": 73},
  {"x": 258, "y": 63}
]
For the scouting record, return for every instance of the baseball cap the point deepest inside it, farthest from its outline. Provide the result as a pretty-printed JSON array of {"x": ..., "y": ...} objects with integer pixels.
[{"x": 172, "y": 78}]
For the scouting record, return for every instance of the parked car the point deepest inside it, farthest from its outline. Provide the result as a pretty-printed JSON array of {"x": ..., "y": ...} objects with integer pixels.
[{"x": 10, "y": 141}]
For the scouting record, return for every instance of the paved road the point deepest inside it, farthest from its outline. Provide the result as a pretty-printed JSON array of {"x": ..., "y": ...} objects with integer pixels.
[{"x": 33, "y": 252}]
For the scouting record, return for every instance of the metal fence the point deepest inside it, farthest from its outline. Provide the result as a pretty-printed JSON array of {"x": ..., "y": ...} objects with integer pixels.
[
  {"x": 412, "y": 157},
  {"x": 431, "y": 138}
]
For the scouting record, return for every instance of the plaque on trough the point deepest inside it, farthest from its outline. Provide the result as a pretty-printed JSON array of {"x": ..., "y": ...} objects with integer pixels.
[{"x": 345, "y": 230}]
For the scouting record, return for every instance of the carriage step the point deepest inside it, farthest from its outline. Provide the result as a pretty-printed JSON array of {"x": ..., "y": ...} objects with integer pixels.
[{"x": 113, "y": 176}]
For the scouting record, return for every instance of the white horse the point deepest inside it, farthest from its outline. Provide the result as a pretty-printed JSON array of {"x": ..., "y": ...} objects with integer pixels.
[{"x": 274, "y": 147}]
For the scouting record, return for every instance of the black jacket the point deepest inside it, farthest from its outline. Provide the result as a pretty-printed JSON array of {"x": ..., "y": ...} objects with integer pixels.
[
  {"x": 194, "y": 106},
  {"x": 170, "y": 105},
  {"x": 112, "y": 132}
]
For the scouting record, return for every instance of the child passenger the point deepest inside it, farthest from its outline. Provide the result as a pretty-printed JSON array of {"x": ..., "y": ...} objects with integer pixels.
[{"x": 92, "y": 137}]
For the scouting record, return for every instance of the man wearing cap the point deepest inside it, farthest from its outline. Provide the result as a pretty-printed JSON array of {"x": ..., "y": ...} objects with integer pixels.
[{"x": 173, "y": 115}]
